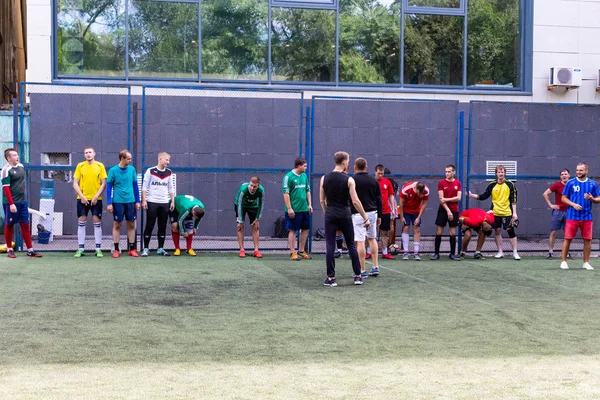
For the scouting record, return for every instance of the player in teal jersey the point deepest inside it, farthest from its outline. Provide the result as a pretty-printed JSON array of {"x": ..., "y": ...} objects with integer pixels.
[
  {"x": 185, "y": 218},
  {"x": 298, "y": 206},
  {"x": 249, "y": 200}
]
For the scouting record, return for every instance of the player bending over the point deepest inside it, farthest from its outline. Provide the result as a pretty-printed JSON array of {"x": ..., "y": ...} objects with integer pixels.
[{"x": 185, "y": 218}]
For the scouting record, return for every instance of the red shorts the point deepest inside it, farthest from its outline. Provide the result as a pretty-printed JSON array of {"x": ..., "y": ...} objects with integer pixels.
[{"x": 572, "y": 226}]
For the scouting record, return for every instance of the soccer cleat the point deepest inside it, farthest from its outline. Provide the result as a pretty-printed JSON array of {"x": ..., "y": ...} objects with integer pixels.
[
  {"x": 588, "y": 267},
  {"x": 177, "y": 252},
  {"x": 499, "y": 255},
  {"x": 294, "y": 256},
  {"x": 479, "y": 256},
  {"x": 79, "y": 253},
  {"x": 516, "y": 256},
  {"x": 549, "y": 256},
  {"x": 358, "y": 280},
  {"x": 133, "y": 253},
  {"x": 330, "y": 282},
  {"x": 191, "y": 253},
  {"x": 99, "y": 253},
  {"x": 257, "y": 254},
  {"x": 242, "y": 253},
  {"x": 388, "y": 257},
  {"x": 405, "y": 256},
  {"x": 463, "y": 255},
  {"x": 337, "y": 254},
  {"x": 162, "y": 252},
  {"x": 304, "y": 255},
  {"x": 364, "y": 275},
  {"x": 436, "y": 256},
  {"x": 33, "y": 254},
  {"x": 116, "y": 253},
  {"x": 569, "y": 255},
  {"x": 10, "y": 253},
  {"x": 454, "y": 257},
  {"x": 145, "y": 252},
  {"x": 368, "y": 255},
  {"x": 374, "y": 271},
  {"x": 417, "y": 257},
  {"x": 564, "y": 265}
]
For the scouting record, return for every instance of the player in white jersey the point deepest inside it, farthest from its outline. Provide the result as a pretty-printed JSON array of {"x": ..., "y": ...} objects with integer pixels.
[{"x": 158, "y": 199}]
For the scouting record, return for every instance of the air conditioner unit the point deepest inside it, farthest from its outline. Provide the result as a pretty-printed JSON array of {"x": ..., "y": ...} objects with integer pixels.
[{"x": 565, "y": 77}]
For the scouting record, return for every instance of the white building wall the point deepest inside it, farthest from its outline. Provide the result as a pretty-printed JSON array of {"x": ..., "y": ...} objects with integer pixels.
[{"x": 566, "y": 33}]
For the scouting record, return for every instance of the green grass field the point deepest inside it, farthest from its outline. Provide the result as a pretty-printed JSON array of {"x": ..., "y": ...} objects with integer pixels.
[{"x": 217, "y": 326}]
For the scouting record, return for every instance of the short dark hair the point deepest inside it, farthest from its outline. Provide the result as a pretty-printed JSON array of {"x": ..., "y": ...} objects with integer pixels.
[
  {"x": 487, "y": 228},
  {"x": 340, "y": 156},
  {"x": 379, "y": 167},
  {"x": 360, "y": 164},
  {"x": 387, "y": 171},
  {"x": 8, "y": 151},
  {"x": 451, "y": 166},
  {"x": 564, "y": 169},
  {"x": 123, "y": 154},
  {"x": 198, "y": 212},
  {"x": 299, "y": 161},
  {"x": 420, "y": 187},
  {"x": 255, "y": 179}
]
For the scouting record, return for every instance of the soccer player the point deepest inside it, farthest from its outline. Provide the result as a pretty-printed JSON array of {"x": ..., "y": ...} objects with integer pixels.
[
  {"x": 337, "y": 191},
  {"x": 158, "y": 199},
  {"x": 559, "y": 209},
  {"x": 14, "y": 201},
  {"x": 396, "y": 187},
  {"x": 413, "y": 201},
  {"x": 369, "y": 194},
  {"x": 388, "y": 210},
  {"x": 449, "y": 192},
  {"x": 479, "y": 220},
  {"x": 578, "y": 194},
  {"x": 89, "y": 183},
  {"x": 504, "y": 205},
  {"x": 185, "y": 218},
  {"x": 296, "y": 195},
  {"x": 249, "y": 200},
  {"x": 123, "y": 199}
]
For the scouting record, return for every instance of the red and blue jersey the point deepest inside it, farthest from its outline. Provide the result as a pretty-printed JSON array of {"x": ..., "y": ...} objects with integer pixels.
[{"x": 575, "y": 190}]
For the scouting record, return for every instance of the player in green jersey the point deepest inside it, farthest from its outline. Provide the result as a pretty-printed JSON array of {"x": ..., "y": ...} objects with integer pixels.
[
  {"x": 298, "y": 206},
  {"x": 249, "y": 200},
  {"x": 185, "y": 218}
]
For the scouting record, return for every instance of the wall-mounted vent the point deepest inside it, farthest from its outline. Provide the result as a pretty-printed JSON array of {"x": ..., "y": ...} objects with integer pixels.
[
  {"x": 57, "y": 159},
  {"x": 490, "y": 168}
]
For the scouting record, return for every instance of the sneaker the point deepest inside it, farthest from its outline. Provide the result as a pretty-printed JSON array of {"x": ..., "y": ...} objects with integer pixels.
[
  {"x": 145, "y": 252},
  {"x": 177, "y": 252},
  {"x": 79, "y": 253},
  {"x": 10, "y": 253},
  {"x": 162, "y": 252},
  {"x": 116, "y": 253},
  {"x": 191, "y": 253},
  {"x": 569, "y": 255},
  {"x": 549, "y": 256},
  {"x": 358, "y": 280},
  {"x": 516, "y": 256},
  {"x": 478, "y": 256},
  {"x": 435, "y": 257},
  {"x": 374, "y": 271},
  {"x": 33, "y": 254},
  {"x": 294, "y": 256},
  {"x": 133, "y": 253},
  {"x": 417, "y": 257},
  {"x": 564, "y": 265},
  {"x": 257, "y": 254},
  {"x": 242, "y": 253},
  {"x": 405, "y": 256},
  {"x": 330, "y": 282},
  {"x": 588, "y": 267},
  {"x": 304, "y": 255},
  {"x": 364, "y": 275},
  {"x": 99, "y": 253},
  {"x": 454, "y": 257},
  {"x": 463, "y": 255},
  {"x": 368, "y": 255},
  {"x": 388, "y": 257},
  {"x": 337, "y": 254},
  {"x": 499, "y": 255}
]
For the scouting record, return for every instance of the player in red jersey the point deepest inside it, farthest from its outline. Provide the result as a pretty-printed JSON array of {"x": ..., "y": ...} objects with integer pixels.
[
  {"x": 479, "y": 220},
  {"x": 559, "y": 209},
  {"x": 413, "y": 200},
  {"x": 388, "y": 201},
  {"x": 449, "y": 192}
]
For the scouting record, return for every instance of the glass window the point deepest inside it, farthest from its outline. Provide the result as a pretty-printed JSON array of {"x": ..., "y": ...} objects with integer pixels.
[
  {"x": 494, "y": 43},
  {"x": 369, "y": 41},
  {"x": 303, "y": 45},
  {"x": 91, "y": 38},
  {"x": 434, "y": 3},
  {"x": 433, "y": 49},
  {"x": 163, "y": 39},
  {"x": 234, "y": 39}
]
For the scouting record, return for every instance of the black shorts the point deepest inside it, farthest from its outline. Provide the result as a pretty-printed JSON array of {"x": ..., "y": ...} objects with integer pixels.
[
  {"x": 442, "y": 218},
  {"x": 385, "y": 222},
  {"x": 84, "y": 210},
  {"x": 250, "y": 211},
  {"x": 502, "y": 222}
]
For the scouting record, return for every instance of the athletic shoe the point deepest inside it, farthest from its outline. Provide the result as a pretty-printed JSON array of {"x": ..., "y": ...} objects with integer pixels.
[
  {"x": 133, "y": 253},
  {"x": 516, "y": 256},
  {"x": 177, "y": 252},
  {"x": 162, "y": 252},
  {"x": 191, "y": 253},
  {"x": 549, "y": 256},
  {"x": 405, "y": 256},
  {"x": 257, "y": 254},
  {"x": 330, "y": 282},
  {"x": 454, "y": 257},
  {"x": 337, "y": 254},
  {"x": 368, "y": 255},
  {"x": 463, "y": 255},
  {"x": 564, "y": 265},
  {"x": 145, "y": 252},
  {"x": 10, "y": 253},
  {"x": 304, "y": 255},
  {"x": 499, "y": 255},
  {"x": 294, "y": 256},
  {"x": 242, "y": 253},
  {"x": 358, "y": 280},
  {"x": 33, "y": 254},
  {"x": 79, "y": 253},
  {"x": 436, "y": 256},
  {"x": 388, "y": 257},
  {"x": 374, "y": 271},
  {"x": 116, "y": 253},
  {"x": 588, "y": 267},
  {"x": 364, "y": 275},
  {"x": 569, "y": 255},
  {"x": 99, "y": 253},
  {"x": 417, "y": 257},
  {"x": 478, "y": 256}
]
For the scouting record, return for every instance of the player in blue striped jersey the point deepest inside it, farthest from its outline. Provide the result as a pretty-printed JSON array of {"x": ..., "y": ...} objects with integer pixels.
[{"x": 579, "y": 194}]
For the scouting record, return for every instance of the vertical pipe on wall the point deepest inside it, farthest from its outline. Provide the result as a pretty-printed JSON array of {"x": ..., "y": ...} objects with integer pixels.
[
  {"x": 269, "y": 36},
  {"x": 468, "y": 170}
]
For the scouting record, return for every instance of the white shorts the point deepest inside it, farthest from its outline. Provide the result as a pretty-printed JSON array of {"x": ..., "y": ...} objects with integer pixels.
[{"x": 360, "y": 232}]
